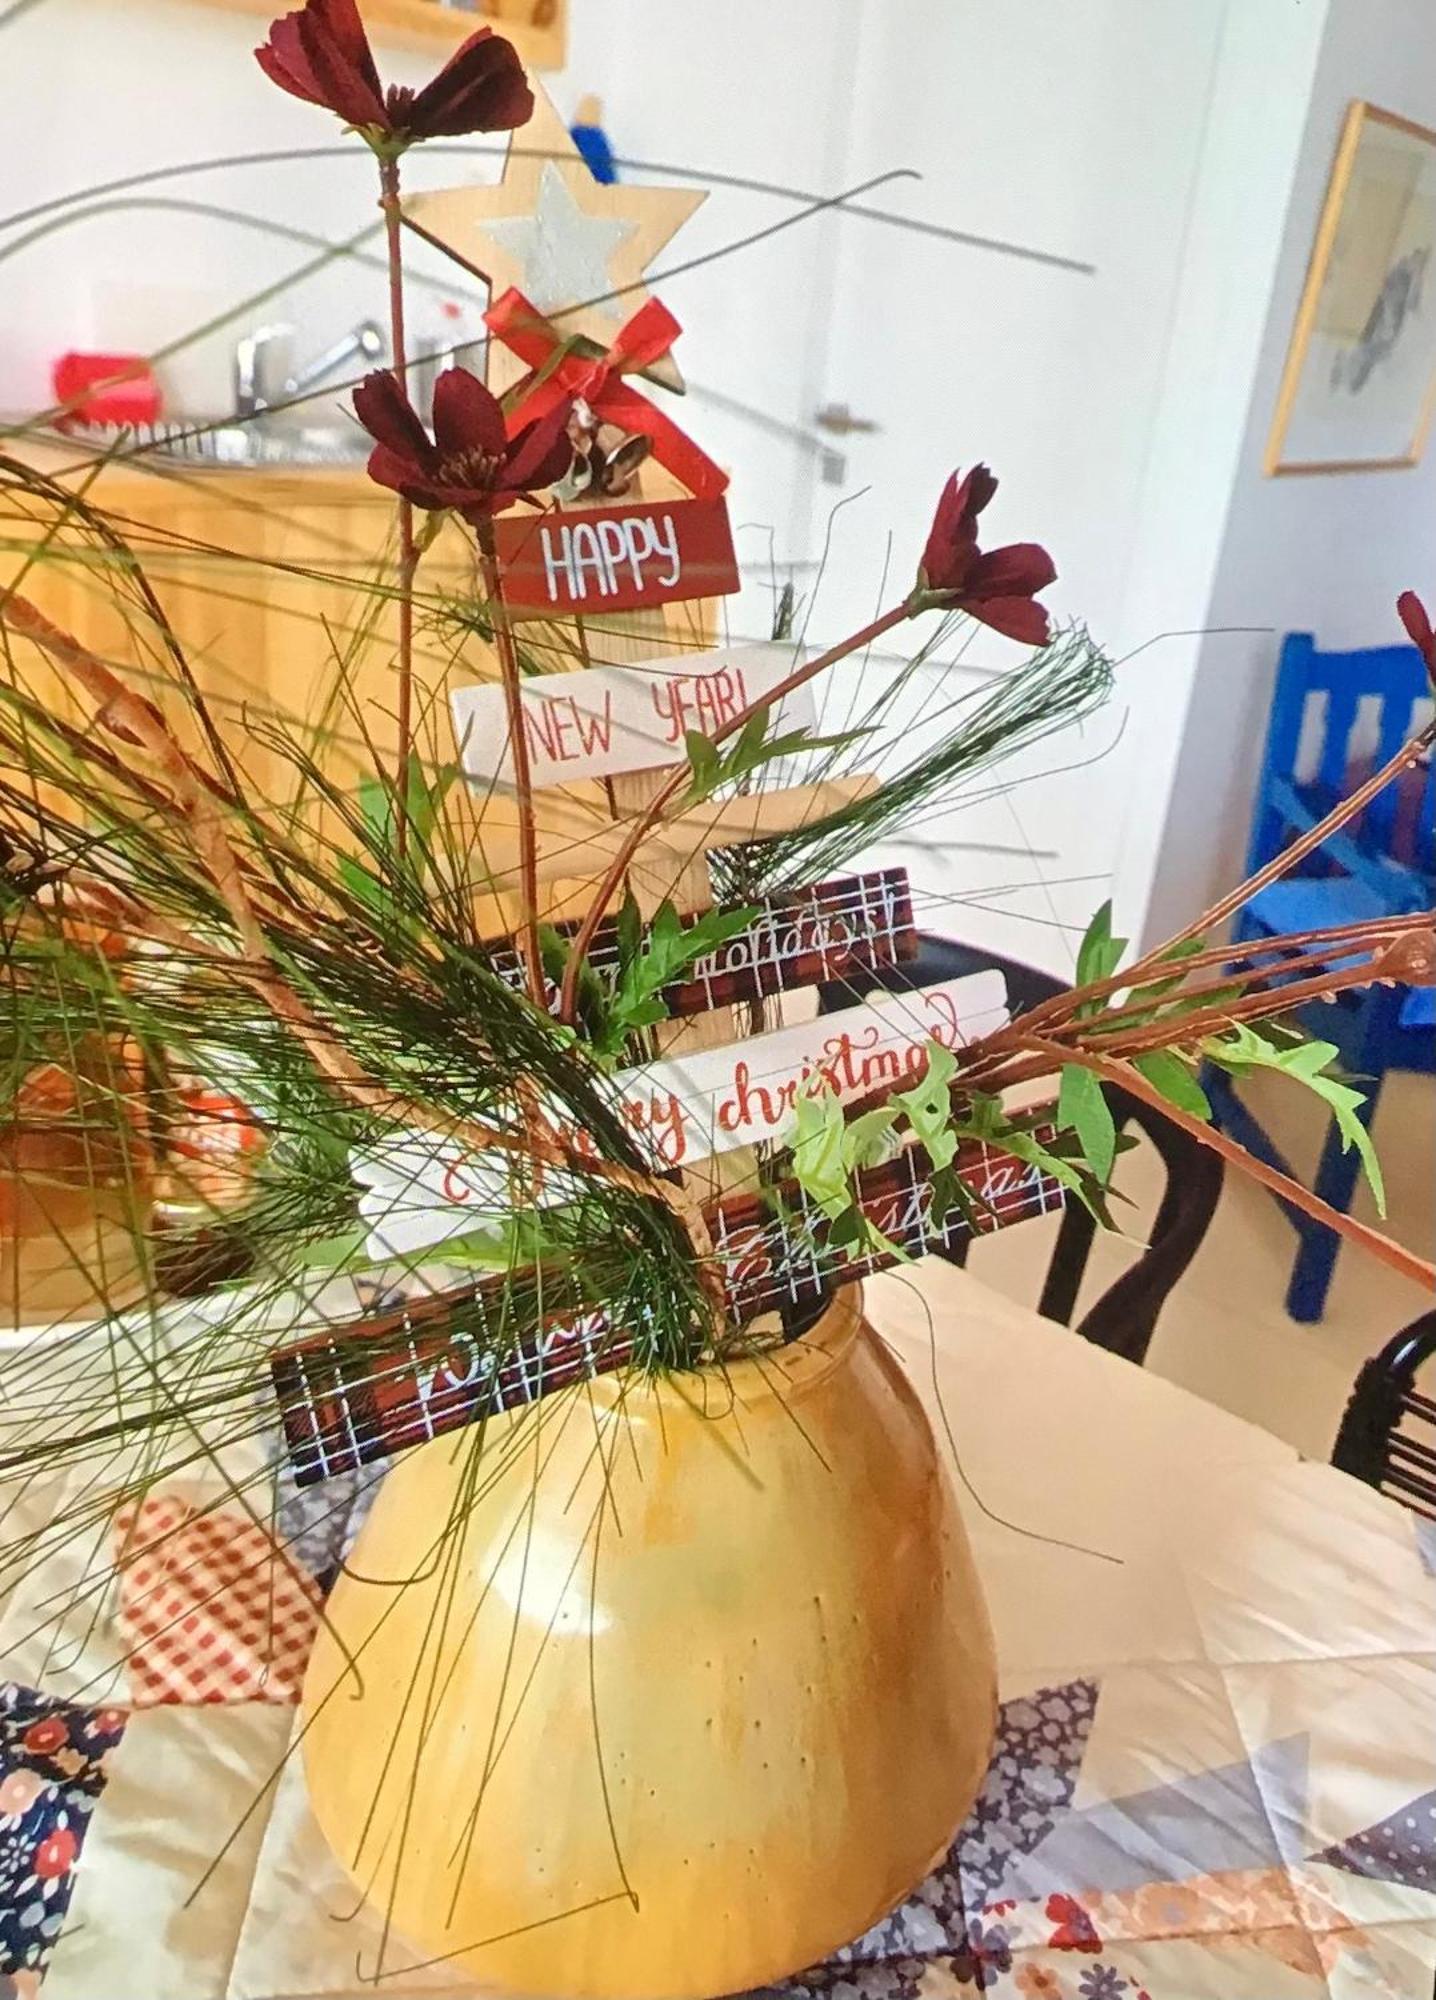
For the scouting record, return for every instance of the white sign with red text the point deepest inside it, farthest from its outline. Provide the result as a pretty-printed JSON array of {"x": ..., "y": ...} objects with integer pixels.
[
  {"x": 421, "y": 1189},
  {"x": 714, "y": 1100},
  {"x": 606, "y": 720}
]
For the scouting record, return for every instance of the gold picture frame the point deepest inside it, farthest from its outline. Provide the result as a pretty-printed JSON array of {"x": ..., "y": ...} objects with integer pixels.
[
  {"x": 1358, "y": 392},
  {"x": 538, "y": 29}
]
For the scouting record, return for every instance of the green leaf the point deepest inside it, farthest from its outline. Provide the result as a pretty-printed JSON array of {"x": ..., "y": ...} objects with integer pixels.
[
  {"x": 1346, "y": 1104},
  {"x": 1166, "y": 1072},
  {"x": 866, "y": 1136},
  {"x": 553, "y": 951},
  {"x": 714, "y": 928},
  {"x": 819, "y": 1157},
  {"x": 333, "y": 1253},
  {"x": 1081, "y": 1108},
  {"x": 648, "y": 965},
  {"x": 928, "y": 1106},
  {"x": 712, "y": 767},
  {"x": 630, "y": 930},
  {"x": 363, "y": 884},
  {"x": 705, "y": 765},
  {"x": 374, "y": 808},
  {"x": 1308, "y": 1062},
  {"x": 1154, "y": 989},
  {"x": 1099, "y": 953},
  {"x": 987, "y": 1120},
  {"x": 750, "y": 737}
]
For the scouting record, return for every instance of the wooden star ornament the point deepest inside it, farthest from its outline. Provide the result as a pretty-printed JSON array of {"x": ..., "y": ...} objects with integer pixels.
[{"x": 577, "y": 250}]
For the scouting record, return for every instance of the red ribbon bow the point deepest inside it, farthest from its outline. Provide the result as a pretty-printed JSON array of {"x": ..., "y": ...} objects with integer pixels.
[{"x": 561, "y": 371}]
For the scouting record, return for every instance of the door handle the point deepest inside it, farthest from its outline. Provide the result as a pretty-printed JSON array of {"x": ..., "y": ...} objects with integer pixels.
[{"x": 838, "y": 420}]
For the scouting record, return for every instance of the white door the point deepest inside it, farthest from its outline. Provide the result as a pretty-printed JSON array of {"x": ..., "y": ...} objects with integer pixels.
[{"x": 1072, "y": 129}]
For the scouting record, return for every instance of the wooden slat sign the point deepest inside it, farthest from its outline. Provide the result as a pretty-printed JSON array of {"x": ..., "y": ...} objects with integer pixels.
[
  {"x": 711, "y": 1101},
  {"x": 605, "y": 720},
  {"x": 801, "y": 937},
  {"x": 421, "y": 1190},
  {"x": 623, "y": 558},
  {"x": 408, "y": 1376}
]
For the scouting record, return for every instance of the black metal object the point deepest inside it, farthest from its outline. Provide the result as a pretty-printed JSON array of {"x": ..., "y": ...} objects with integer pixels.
[
  {"x": 1388, "y": 1434},
  {"x": 1124, "y": 1319}
]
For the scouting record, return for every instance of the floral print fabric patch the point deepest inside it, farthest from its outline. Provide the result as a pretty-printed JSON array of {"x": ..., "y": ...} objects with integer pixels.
[{"x": 52, "y": 1771}]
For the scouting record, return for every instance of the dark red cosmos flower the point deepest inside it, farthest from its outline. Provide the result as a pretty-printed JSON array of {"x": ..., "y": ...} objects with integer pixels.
[
  {"x": 998, "y": 588},
  {"x": 470, "y": 463},
  {"x": 1417, "y": 620},
  {"x": 322, "y": 54}
]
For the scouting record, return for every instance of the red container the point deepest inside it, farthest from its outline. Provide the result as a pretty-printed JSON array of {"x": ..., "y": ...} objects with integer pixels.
[{"x": 84, "y": 384}]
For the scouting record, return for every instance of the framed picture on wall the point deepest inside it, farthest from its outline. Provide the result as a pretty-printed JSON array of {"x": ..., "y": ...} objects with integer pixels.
[
  {"x": 1359, "y": 390},
  {"x": 538, "y": 29}
]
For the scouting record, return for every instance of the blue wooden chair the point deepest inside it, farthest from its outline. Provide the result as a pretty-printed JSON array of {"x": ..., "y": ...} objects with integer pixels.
[{"x": 1381, "y": 864}]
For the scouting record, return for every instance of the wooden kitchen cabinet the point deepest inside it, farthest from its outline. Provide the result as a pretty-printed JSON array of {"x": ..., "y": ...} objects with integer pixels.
[
  {"x": 270, "y": 579},
  {"x": 278, "y": 586}
]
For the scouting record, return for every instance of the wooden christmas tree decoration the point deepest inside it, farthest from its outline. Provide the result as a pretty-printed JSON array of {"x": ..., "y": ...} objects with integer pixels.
[{"x": 551, "y": 243}]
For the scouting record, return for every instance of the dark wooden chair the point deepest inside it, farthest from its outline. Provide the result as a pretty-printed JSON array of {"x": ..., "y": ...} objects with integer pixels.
[
  {"x": 1124, "y": 1318},
  {"x": 1388, "y": 1434}
]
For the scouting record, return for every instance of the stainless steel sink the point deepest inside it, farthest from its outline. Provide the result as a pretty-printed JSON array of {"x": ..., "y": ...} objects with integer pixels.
[{"x": 223, "y": 442}]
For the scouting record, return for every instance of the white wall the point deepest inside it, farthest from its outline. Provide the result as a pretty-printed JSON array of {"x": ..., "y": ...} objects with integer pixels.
[
  {"x": 1327, "y": 553},
  {"x": 1155, "y": 142}
]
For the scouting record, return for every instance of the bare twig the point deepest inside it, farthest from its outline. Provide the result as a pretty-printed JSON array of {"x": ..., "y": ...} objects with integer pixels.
[
  {"x": 408, "y": 546},
  {"x": 523, "y": 779},
  {"x": 1384, "y": 1248}
]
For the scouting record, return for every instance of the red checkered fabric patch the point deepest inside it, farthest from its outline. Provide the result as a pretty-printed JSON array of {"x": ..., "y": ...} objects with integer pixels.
[{"x": 210, "y": 1609}]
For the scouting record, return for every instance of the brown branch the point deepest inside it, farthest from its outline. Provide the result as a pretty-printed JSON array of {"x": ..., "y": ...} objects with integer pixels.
[
  {"x": 133, "y": 720},
  {"x": 1345, "y": 810},
  {"x": 69, "y": 502},
  {"x": 523, "y": 778},
  {"x": 1136, "y": 1085},
  {"x": 1407, "y": 960},
  {"x": 1397, "y": 948},
  {"x": 1158, "y": 963},
  {"x": 408, "y": 546}
]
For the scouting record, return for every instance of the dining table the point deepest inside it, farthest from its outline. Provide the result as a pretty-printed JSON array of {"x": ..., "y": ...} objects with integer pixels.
[{"x": 1214, "y": 1771}]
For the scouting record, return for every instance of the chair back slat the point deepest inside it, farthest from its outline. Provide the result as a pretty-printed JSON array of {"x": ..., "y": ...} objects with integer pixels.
[
  {"x": 1335, "y": 717},
  {"x": 1418, "y": 1495},
  {"x": 1409, "y": 1453},
  {"x": 1394, "y": 724},
  {"x": 1424, "y": 841},
  {"x": 1388, "y": 1433},
  {"x": 1335, "y": 755}
]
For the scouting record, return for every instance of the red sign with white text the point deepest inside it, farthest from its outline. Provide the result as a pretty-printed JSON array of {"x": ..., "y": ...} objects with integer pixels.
[{"x": 615, "y": 558}]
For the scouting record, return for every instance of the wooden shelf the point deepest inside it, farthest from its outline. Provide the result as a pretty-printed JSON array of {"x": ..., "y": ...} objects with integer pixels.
[{"x": 538, "y": 29}]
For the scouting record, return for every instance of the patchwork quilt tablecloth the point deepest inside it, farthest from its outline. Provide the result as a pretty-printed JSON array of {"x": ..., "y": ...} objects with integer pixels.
[{"x": 1215, "y": 1771}]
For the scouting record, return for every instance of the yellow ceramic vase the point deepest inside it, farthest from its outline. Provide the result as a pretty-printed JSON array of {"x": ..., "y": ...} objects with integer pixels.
[{"x": 672, "y": 1690}]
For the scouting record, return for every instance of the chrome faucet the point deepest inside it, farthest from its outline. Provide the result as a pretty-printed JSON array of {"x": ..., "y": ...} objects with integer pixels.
[{"x": 253, "y": 392}]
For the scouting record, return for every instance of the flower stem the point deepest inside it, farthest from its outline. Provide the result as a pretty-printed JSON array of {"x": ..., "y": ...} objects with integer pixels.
[
  {"x": 654, "y": 810},
  {"x": 408, "y": 548},
  {"x": 523, "y": 781}
]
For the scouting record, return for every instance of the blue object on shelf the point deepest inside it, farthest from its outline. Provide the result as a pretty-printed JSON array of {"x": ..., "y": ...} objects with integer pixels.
[
  {"x": 1380, "y": 865},
  {"x": 592, "y": 143}
]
